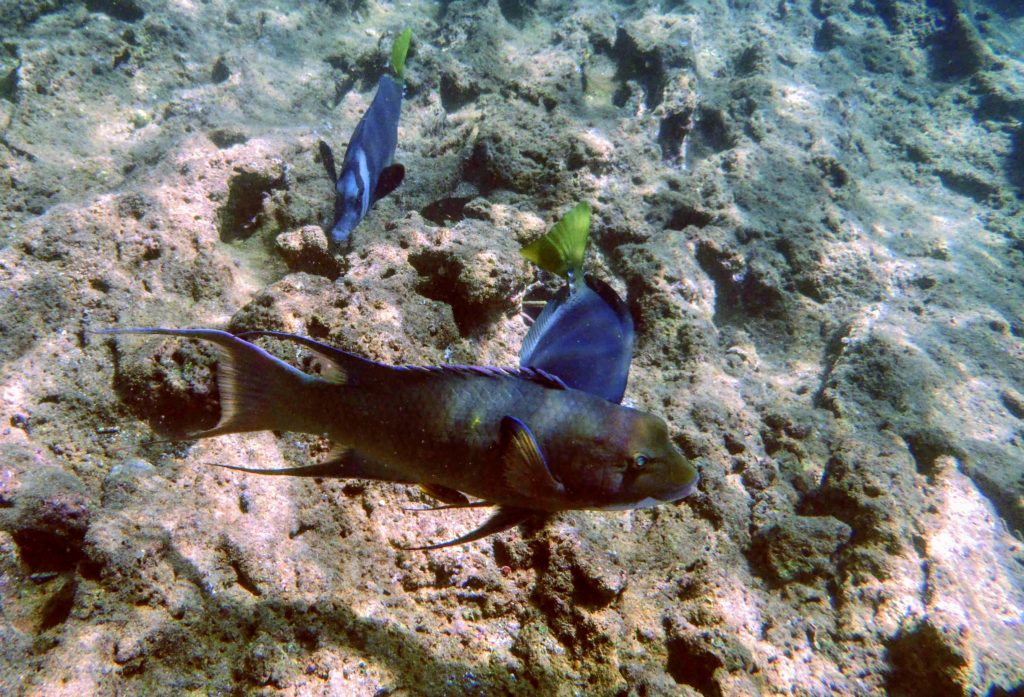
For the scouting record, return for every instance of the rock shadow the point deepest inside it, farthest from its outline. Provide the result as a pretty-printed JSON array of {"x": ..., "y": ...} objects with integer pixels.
[{"x": 305, "y": 627}]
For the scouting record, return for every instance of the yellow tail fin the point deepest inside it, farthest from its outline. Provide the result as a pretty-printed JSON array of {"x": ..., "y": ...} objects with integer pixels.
[
  {"x": 398, "y": 51},
  {"x": 561, "y": 250}
]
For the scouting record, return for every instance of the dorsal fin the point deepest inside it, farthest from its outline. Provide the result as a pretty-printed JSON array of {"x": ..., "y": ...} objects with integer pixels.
[
  {"x": 345, "y": 366},
  {"x": 327, "y": 157},
  {"x": 341, "y": 366},
  {"x": 535, "y": 375}
]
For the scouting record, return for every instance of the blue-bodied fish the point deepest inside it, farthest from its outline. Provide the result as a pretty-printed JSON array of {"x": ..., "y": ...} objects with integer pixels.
[
  {"x": 518, "y": 439},
  {"x": 585, "y": 333},
  {"x": 367, "y": 172}
]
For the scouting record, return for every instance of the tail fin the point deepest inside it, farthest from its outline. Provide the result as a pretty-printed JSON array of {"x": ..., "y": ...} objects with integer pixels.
[
  {"x": 561, "y": 250},
  {"x": 258, "y": 392},
  {"x": 398, "y": 51}
]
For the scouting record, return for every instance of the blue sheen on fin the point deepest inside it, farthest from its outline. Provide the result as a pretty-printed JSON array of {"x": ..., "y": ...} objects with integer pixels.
[{"x": 585, "y": 337}]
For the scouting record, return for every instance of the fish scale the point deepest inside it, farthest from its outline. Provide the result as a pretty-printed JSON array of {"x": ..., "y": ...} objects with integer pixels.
[{"x": 445, "y": 425}]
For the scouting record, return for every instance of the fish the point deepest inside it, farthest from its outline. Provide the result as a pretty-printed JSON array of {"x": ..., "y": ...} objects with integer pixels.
[
  {"x": 517, "y": 439},
  {"x": 367, "y": 171},
  {"x": 585, "y": 334}
]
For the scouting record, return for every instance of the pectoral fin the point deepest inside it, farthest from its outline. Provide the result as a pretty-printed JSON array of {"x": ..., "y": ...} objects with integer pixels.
[
  {"x": 502, "y": 519},
  {"x": 389, "y": 179},
  {"x": 327, "y": 156},
  {"x": 523, "y": 465}
]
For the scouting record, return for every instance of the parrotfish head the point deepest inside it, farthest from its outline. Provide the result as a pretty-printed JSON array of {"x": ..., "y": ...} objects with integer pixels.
[{"x": 632, "y": 463}]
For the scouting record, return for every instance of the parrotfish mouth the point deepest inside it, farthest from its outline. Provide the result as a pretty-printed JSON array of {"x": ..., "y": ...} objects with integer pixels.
[
  {"x": 683, "y": 491},
  {"x": 652, "y": 501}
]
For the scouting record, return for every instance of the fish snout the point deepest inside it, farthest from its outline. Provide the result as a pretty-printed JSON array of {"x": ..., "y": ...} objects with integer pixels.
[
  {"x": 683, "y": 491},
  {"x": 344, "y": 227},
  {"x": 685, "y": 478}
]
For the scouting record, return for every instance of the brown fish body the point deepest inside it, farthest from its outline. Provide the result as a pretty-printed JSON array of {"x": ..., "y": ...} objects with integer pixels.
[
  {"x": 518, "y": 439},
  {"x": 443, "y": 427}
]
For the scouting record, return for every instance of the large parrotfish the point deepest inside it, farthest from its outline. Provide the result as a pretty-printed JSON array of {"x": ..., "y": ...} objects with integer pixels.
[
  {"x": 518, "y": 439},
  {"x": 550, "y": 436}
]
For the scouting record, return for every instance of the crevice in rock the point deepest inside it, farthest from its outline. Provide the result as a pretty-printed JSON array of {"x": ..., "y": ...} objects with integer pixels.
[
  {"x": 242, "y": 214},
  {"x": 956, "y": 49},
  {"x": 691, "y": 664},
  {"x": 225, "y": 137},
  {"x": 445, "y": 211},
  {"x": 516, "y": 12},
  {"x": 439, "y": 280},
  {"x": 928, "y": 445},
  {"x": 672, "y": 133},
  {"x": 710, "y": 133},
  {"x": 685, "y": 216},
  {"x": 58, "y": 606},
  {"x": 967, "y": 184},
  {"x": 644, "y": 67},
  {"x": 826, "y": 36},
  {"x": 220, "y": 72},
  {"x": 244, "y": 579},
  {"x": 456, "y": 91},
  {"x": 10, "y": 72},
  {"x": 172, "y": 388},
  {"x": 123, "y": 10},
  {"x": 43, "y": 551},
  {"x": 363, "y": 69},
  {"x": 1015, "y": 162},
  {"x": 740, "y": 291},
  {"x": 925, "y": 660}
]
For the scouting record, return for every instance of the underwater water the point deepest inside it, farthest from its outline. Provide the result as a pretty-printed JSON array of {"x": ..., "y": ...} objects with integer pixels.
[{"x": 811, "y": 208}]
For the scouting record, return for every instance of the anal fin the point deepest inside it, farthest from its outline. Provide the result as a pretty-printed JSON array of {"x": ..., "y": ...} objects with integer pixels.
[
  {"x": 341, "y": 463},
  {"x": 500, "y": 521}
]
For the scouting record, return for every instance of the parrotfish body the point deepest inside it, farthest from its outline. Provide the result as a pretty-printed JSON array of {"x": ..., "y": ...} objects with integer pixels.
[{"x": 517, "y": 439}]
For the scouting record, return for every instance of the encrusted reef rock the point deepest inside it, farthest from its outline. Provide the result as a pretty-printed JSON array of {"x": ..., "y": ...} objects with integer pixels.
[
  {"x": 812, "y": 210},
  {"x": 800, "y": 548},
  {"x": 307, "y": 249}
]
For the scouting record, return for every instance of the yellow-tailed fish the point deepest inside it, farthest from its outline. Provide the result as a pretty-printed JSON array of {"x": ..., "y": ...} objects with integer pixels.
[{"x": 585, "y": 333}]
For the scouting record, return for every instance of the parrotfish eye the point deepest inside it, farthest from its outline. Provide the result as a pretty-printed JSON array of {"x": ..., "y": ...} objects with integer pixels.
[{"x": 640, "y": 461}]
